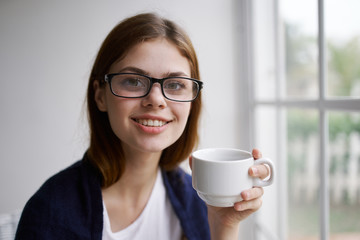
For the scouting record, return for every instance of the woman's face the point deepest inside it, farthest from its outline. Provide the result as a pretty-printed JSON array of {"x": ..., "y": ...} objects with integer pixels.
[{"x": 152, "y": 123}]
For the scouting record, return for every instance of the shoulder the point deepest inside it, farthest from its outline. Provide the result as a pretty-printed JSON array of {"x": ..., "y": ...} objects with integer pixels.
[
  {"x": 68, "y": 184},
  {"x": 73, "y": 178},
  {"x": 67, "y": 201},
  {"x": 59, "y": 186}
]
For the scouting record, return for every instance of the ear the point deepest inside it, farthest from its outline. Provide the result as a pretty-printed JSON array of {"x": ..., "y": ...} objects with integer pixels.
[{"x": 100, "y": 96}]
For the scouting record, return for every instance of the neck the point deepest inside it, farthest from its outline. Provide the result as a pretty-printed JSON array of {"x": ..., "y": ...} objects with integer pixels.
[
  {"x": 138, "y": 178},
  {"x": 141, "y": 169},
  {"x": 126, "y": 199}
]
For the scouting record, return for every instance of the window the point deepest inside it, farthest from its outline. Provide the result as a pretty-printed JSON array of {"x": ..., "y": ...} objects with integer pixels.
[{"x": 304, "y": 84}]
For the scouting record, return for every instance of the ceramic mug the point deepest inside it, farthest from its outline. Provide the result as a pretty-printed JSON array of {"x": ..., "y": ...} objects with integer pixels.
[{"x": 219, "y": 175}]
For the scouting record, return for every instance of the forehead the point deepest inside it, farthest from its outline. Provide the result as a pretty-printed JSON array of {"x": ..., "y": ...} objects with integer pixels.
[{"x": 156, "y": 56}]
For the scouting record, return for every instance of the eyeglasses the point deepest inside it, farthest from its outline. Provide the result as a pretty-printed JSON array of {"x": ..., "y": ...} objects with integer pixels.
[{"x": 134, "y": 85}]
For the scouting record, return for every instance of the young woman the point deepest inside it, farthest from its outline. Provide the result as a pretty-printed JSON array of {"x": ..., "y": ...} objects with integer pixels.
[{"x": 144, "y": 102}]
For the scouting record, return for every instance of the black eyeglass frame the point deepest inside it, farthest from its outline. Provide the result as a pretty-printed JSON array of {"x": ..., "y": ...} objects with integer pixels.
[{"x": 109, "y": 76}]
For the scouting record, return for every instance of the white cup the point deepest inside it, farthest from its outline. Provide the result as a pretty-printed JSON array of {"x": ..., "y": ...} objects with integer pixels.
[{"x": 219, "y": 175}]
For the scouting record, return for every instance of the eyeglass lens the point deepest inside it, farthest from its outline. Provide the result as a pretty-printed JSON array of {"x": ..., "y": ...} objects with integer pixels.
[{"x": 132, "y": 85}]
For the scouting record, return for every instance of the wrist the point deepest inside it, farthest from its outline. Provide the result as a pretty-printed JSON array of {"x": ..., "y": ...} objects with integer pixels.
[{"x": 222, "y": 228}]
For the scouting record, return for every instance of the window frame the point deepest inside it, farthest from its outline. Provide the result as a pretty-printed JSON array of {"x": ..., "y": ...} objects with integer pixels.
[{"x": 323, "y": 105}]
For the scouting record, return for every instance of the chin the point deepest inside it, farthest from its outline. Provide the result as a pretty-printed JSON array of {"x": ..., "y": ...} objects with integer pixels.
[{"x": 154, "y": 147}]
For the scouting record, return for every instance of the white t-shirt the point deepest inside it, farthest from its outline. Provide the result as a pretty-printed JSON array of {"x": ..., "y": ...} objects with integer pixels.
[{"x": 157, "y": 221}]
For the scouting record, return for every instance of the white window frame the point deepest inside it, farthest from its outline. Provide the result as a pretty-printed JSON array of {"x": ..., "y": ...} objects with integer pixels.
[{"x": 323, "y": 105}]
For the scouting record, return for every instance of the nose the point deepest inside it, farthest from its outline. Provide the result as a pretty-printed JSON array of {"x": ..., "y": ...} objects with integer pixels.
[{"x": 155, "y": 98}]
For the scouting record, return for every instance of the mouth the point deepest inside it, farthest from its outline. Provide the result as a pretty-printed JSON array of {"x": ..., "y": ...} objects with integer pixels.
[{"x": 151, "y": 122}]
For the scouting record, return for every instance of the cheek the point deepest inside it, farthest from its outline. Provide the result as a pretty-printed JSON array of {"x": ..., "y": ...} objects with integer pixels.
[
  {"x": 118, "y": 111},
  {"x": 184, "y": 112}
]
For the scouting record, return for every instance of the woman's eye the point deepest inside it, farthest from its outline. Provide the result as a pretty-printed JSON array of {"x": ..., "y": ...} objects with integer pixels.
[
  {"x": 133, "y": 82},
  {"x": 174, "y": 85}
]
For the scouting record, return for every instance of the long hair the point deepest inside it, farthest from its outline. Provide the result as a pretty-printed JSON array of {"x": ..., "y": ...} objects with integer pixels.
[{"x": 105, "y": 151}]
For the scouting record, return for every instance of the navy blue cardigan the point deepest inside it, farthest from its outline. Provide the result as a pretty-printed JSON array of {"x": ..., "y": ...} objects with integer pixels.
[{"x": 69, "y": 206}]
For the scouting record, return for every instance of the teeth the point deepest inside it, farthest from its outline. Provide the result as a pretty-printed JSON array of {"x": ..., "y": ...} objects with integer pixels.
[{"x": 151, "y": 123}]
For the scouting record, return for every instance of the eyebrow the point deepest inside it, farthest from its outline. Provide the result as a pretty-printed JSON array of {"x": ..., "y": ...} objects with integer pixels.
[
  {"x": 143, "y": 72},
  {"x": 133, "y": 70}
]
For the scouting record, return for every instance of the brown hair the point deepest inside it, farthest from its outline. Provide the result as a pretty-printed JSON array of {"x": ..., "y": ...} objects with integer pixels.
[{"x": 105, "y": 152}]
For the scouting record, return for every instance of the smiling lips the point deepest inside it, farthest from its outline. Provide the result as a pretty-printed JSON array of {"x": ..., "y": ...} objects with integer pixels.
[{"x": 151, "y": 122}]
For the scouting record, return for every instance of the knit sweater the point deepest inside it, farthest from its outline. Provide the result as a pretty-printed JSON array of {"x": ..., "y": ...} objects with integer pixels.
[{"x": 69, "y": 206}]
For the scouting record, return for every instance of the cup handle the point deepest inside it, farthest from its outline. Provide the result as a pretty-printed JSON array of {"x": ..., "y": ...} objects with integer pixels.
[{"x": 257, "y": 182}]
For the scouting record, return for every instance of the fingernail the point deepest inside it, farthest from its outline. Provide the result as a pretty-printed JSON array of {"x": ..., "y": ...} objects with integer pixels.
[{"x": 255, "y": 171}]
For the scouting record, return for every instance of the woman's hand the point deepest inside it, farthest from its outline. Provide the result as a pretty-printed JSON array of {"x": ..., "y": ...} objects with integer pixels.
[{"x": 224, "y": 222}]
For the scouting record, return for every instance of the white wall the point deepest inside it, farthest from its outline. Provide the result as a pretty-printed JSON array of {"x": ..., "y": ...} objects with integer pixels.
[{"x": 46, "y": 52}]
